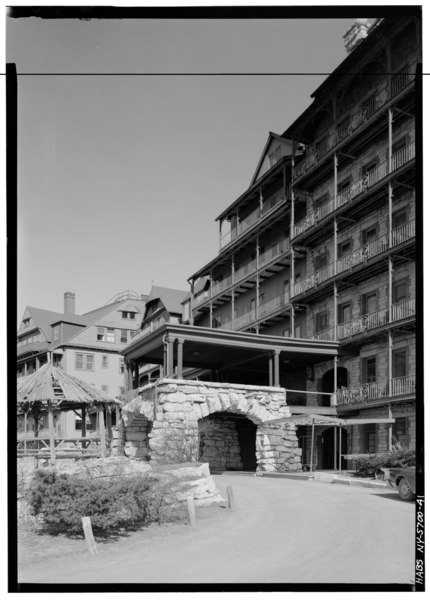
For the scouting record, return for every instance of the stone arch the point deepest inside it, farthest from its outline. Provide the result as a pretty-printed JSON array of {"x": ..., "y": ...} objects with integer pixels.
[
  {"x": 227, "y": 441},
  {"x": 236, "y": 403}
]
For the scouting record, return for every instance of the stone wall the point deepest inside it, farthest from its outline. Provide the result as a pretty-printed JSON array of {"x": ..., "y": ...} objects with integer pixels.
[{"x": 176, "y": 409}]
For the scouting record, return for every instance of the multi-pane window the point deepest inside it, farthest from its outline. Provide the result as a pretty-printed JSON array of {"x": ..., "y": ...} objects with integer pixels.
[
  {"x": 369, "y": 303},
  {"x": 84, "y": 362},
  {"x": 26, "y": 323},
  {"x": 105, "y": 361},
  {"x": 368, "y": 367},
  {"x": 110, "y": 335},
  {"x": 56, "y": 333},
  {"x": 370, "y": 439},
  {"x": 128, "y": 315},
  {"x": 121, "y": 365},
  {"x": 298, "y": 330},
  {"x": 275, "y": 156},
  {"x": 100, "y": 334},
  {"x": 124, "y": 336}
]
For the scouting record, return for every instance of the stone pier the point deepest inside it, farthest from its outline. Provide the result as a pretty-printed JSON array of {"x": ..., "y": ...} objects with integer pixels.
[{"x": 176, "y": 421}]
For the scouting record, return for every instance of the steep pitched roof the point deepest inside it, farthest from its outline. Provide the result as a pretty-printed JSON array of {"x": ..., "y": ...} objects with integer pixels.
[
  {"x": 272, "y": 136},
  {"x": 170, "y": 298},
  {"x": 44, "y": 319}
]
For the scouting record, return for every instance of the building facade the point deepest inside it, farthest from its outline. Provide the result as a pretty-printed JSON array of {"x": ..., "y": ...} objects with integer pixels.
[
  {"x": 86, "y": 346},
  {"x": 322, "y": 245}
]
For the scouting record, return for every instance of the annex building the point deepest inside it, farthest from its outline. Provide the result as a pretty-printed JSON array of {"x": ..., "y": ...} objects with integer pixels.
[{"x": 313, "y": 290}]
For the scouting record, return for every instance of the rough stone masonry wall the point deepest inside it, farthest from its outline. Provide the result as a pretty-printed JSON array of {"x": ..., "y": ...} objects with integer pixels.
[{"x": 175, "y": 408}]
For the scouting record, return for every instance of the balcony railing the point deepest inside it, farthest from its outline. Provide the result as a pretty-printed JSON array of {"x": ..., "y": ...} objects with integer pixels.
[
  {"x": 362, "y": 324},
  {"x": 222, "y": 285},
  {"x": 314, "y": 279},
  {"x": 362, "y": 393},
  {"x": 274, "y": 252},
  {"x": 321, "y": 147},
  {"x": 403, "y": 310},
  {"x": 247, "y": 222},
  {"x": 361, "y": 185},
  {"x": 200, "y": 298}
]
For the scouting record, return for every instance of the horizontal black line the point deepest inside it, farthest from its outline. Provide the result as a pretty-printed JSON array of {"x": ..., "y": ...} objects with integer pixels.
[{"x": 197, "y": 74}]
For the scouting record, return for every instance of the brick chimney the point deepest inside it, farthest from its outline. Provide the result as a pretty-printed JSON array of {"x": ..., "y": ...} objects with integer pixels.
[
  {"x": 356, "y": 34},
  {"x": 69, "y": 303}
]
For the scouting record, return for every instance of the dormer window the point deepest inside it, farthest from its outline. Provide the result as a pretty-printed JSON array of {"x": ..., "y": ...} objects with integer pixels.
[
  {"x": 26, "y": 323},
  {"x": 128, "y": 315}
]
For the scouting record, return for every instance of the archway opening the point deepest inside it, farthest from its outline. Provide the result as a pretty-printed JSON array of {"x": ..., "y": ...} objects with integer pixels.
[
  {"x": 329, "y": 449},
  {"x": 227, "y": 442},
  {"x": 327, "y": 384}
]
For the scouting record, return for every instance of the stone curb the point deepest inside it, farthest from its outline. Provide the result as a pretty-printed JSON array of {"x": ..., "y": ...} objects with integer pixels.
[{"x": 327, "y": 478}]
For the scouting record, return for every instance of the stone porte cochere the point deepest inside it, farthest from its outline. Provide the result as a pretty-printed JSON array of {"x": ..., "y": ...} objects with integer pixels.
[{"x": 223, "y": 424}]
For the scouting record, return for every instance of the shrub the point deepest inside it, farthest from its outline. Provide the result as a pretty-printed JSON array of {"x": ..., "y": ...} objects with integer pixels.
[
  {"x": 399, "y": 456},
  {"x": 112, "y": 503}
]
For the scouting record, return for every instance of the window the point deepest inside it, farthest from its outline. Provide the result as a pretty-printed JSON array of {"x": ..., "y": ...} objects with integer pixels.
[
  {"x": 78, "y": 423},
  {"x": 121, "y": 366},
  {"x": 124, "y": 336},
  {"x": 399, "y": 363},
  {"x": 252, "y": 307},
  {"x": 100, "y": 334},
  {"x": 343, "y": 185},
  {"x": 369, "y": 303},
  {"x": 216, "y": 322},
  {"x": 261, "y": 299},
  {"x": 321, "y": 261},
  {"x": 128, "y": 315},
  {"x": 321, "y": 321},
  {"x": 400, "y": 430},
  {"x": 298, "y": 331},
  {"x": 343, "y": 248},
  {"x": 110, "y": 336},
  {"x": 84, "y": 362},
  {"x": 399, "y": 219},
  {"x": 369, "y": 235},
  {"x": 344, "y": 313},
  {"x": 369, "y": 167},
  {"x": 275, "y": 156},
  {"x": 370, "y": 439},
  {"x": 369, "y": 369},
  {"x": 26, "y": 323},
  {"x": 400, "y": 291},
  {"x": 286, "y": 291},
  {"x": 398, "y": 145},
  {"x": 56, "y": 333},
  {"x": 321, "y": 200},
  {"x": 105, "y": 361}
]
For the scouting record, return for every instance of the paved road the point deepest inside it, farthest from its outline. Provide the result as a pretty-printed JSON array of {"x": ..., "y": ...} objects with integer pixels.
[{"x": 282, "y": 531}]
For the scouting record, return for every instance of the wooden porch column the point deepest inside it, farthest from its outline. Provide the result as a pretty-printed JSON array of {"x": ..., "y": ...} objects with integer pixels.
[
  {"x": 136, "y": 373},
  {"x": 192, "y": 303},
  {"x": 102, "y": 432},
  {"x": 51, "y": 433},
  {"x": 180, "y": 357},
  {"x": 276, "y": 367},
  {"x": 128, "y": 375},
  {"x": 170, "y": 361},
  {"x": 390, "y": 429},
  {"x": 270, "y": 371},
  {"x": 84, "y": 426},
  {"x": 109, "y": 424}
]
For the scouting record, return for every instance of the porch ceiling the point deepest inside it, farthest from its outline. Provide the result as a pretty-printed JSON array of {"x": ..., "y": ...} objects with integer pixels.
[{"x": 209, "y": 348}]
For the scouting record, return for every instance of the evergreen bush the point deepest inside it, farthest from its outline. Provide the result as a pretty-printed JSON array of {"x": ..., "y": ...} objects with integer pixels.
[
  {"x": 399, "y": 456},
  {"x": 112, "y": 503}
]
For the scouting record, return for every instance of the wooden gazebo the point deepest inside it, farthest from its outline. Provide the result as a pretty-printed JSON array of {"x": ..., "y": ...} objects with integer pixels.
[{"x": 50, "y": 389}]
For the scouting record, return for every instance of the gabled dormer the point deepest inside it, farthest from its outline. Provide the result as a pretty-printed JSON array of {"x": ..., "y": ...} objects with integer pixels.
[{"x": 276, "y": 148}]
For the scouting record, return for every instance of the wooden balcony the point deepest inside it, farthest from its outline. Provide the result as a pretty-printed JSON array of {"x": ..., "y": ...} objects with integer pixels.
[{"x": 357, "y": 188}]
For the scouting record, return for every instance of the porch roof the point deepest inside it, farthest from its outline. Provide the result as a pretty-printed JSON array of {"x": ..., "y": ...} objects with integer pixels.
[{"x": 209, "y": 348}]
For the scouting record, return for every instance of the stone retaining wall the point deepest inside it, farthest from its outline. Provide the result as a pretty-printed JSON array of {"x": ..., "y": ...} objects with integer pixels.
[{"x": 176, "y": 408}]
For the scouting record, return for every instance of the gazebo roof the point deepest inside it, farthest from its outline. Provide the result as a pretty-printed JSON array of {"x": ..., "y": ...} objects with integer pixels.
[{"x": 51, "y": 385}]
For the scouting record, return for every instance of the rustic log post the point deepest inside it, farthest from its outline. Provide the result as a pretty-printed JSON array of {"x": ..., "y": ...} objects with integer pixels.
[
  {"x": 230, "y": 497},
  {"x": 51, "y": 433},
  {"x": 102, "y": 431},
  {"x": 109, "y": 424},
  {"x": 84, "y": 427},
  {"x": 89, "y": 536}
]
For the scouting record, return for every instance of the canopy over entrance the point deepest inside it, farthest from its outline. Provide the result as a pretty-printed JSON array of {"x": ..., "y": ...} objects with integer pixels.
[{"x": 235, "y": 354}]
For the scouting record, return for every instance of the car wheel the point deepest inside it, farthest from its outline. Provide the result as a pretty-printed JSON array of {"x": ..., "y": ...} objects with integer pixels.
[{"x": 404, "y": 490}]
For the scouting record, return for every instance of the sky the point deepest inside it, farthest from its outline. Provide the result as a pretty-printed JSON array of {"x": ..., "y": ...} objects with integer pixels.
[{"x": 121, "y": 175}]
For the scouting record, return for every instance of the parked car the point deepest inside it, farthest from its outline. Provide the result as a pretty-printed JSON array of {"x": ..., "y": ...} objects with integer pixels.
[{"x": 401, "y": 479}]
